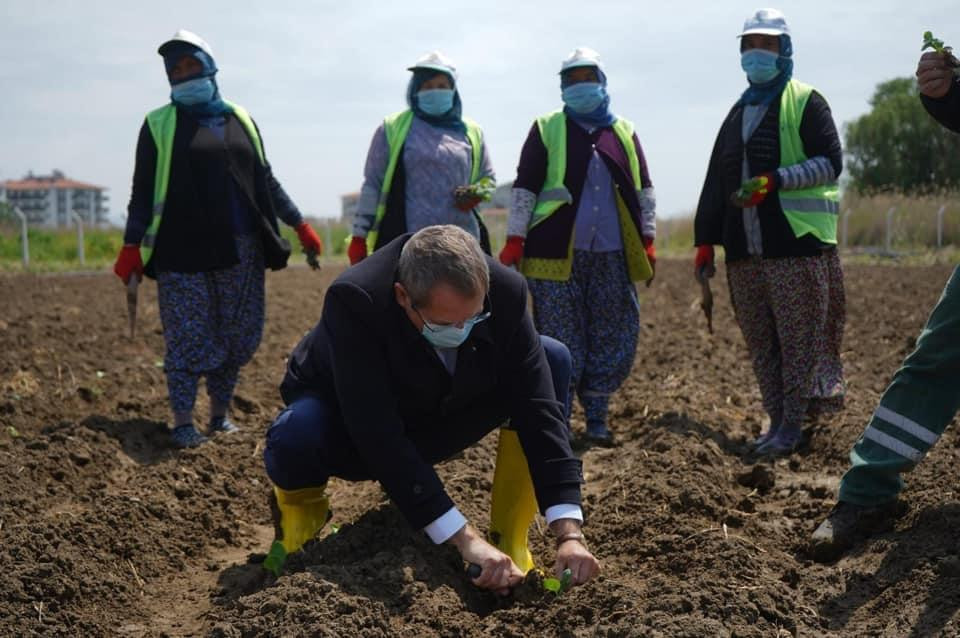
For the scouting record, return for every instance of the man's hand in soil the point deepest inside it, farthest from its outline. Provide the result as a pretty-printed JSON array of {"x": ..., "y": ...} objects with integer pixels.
[
  {"x": 572, "y": 552},
  {"x": 934, "y": 75},
  {"x": 499, "y": 571}
]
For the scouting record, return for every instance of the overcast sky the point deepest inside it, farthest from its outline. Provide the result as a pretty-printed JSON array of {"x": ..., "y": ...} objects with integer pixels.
[{"x": 77, "y": 78}]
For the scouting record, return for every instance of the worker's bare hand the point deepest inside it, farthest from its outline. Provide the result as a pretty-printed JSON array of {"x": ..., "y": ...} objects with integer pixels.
[
  {"x": 499, "y": 572},
  {"x": 574, "y": 555},
  {"x": 934, "y": 75}
]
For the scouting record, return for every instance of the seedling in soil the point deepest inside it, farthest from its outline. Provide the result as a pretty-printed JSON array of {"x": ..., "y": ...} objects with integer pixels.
[
  {"x": 561, "y": 585},
  {"x": 275, "y": 559},
  {"x": 534, "y": 584},
  {"x": 930, "y": 42}
]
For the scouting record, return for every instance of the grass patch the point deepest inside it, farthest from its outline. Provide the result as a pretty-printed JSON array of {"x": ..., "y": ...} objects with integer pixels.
[{"x": 56, "y": 250}]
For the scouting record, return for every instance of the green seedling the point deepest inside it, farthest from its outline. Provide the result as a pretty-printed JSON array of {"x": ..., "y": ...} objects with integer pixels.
[
  {"x": 275, "y": 559},
  {"x": 561, "y": 585},
  {"x": 750, "y": 187},
  {"x": 930, "y": 42},
  {"x": 13, "y": 432},
  {"x": 482, "y": 190},
  {"x": 312, "y": 260}
]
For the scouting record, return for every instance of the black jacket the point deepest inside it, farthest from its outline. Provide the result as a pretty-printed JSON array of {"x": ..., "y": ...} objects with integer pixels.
[
  {"x": 946, "y": 110},
  {"x": 401, "y": 408},
  {"x": 719, "y": 222},
  {"x": 195, "y": 233}
]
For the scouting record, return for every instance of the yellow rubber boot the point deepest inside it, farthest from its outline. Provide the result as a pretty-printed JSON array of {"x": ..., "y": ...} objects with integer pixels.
[
  {"x": 512, "y": 501},
  {"x": 298, "y": 516}
]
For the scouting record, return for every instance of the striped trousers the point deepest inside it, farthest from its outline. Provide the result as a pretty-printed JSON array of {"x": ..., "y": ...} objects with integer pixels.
[{"x": 914, "y": 410}]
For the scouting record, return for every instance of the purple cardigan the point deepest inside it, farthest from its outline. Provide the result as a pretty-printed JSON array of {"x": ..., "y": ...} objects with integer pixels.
[{"x": 551, "y": 238}]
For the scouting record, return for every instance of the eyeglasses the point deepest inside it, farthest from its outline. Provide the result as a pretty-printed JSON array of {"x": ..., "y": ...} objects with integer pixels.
[{"x": 438, "y": 327}]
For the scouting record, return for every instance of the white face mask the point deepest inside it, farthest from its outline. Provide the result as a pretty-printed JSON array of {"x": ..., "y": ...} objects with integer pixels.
[{"x": 449, "y": 336}]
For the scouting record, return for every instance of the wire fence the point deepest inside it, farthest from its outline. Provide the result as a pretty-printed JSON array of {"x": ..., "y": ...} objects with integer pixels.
[{"x": 887, "y": 225}]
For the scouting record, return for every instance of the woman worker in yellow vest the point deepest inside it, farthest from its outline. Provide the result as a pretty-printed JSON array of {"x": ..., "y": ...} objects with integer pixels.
[
  {"x": 426, "y": 165},
  {"x": 581, "y": 228},
  {"x": 202, "y": 221},
  {"x": 770, "y": 198}
]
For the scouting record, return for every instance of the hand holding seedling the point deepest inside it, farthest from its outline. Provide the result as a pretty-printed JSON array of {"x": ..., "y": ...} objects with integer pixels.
[
  {"x": 572, "y": 552},
  {"x": 753, "y": 191},
  {"x": 574, "y": 557},
  {"x": 936, "y": 70}
]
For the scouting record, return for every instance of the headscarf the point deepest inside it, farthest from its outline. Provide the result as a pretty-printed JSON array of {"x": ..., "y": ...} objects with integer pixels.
[
  {"x": 216, "y": 105},
  {"x": 451, "y": 119},
  {"x": 766, "y": 92},
  {"x": 598, "y": 117}
]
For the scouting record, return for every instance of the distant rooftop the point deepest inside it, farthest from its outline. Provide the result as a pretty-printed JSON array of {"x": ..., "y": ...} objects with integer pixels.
[{"x": 42, "y": 182}]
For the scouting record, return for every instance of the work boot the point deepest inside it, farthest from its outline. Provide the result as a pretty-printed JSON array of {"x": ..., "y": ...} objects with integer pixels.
[
  {"x": 766, "y": 436},
  {"x": 187, "y": 436},
  {"x": 598, "y": 434},
  {"x": 846, "y": 522},
  {"x": 513, "y": 504},
  {"x": 298, "y": 516},
  {"x": 221, "y": 425},
  {"x": 783, "y": 442}
]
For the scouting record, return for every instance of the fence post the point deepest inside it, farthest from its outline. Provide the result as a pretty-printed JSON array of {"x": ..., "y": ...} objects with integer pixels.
[
  {"x": 889, "y": 240},
  {"x": 940, "y": 226},
  {"x": 24, "y": 242},
  {"x": 845, "y": 228},
  {"x": 328, "y": 238},
  {"x": 81, "y": 256}
]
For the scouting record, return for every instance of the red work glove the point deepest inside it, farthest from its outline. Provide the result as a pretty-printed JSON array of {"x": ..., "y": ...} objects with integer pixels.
[
  {"x": 651, "y": 251},
  {"x": 308, "y": 239},
  {"x": 512, "y": 251},
  {"x": 129, "y": 263},
  {"x": 755, "y": 190},
  {"x": 651, "y": 257},
  {"x": 357, "y": 251},
  {"x": 703, "y": 262}
]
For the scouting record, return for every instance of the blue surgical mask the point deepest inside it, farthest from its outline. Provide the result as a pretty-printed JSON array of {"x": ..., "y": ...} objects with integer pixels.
[
  {"x": 760, "y": 65},
  {"x": 449, "y": 336},
  {"x": 583, "y": 97},
  {"x": 435, "y": 101},
  {"x": 196, "y": 91}
]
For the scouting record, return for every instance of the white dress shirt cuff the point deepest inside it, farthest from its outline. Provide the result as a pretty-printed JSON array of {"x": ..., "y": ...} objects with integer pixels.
[
  {"x": 563, "y": 510},
  {"x": 446, "y": 526}
]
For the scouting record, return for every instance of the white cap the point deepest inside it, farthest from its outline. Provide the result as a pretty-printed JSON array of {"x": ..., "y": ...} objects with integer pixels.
[
  {"x": 182, "y": 35},
  {"x": 766, "y": 22},
  {"x": 581, "y": 56},
  {"x": 437, "y": 61}
]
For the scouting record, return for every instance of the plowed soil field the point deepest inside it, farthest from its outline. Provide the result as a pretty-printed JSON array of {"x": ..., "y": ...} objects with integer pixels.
[{"x": 107, "y": 530}]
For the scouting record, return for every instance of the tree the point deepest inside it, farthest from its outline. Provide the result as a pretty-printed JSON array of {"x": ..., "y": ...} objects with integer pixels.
[{"x": 897, "y": 146}]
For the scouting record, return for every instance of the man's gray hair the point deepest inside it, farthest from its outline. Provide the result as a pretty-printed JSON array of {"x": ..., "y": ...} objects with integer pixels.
[{"x": 443, "y": 254}]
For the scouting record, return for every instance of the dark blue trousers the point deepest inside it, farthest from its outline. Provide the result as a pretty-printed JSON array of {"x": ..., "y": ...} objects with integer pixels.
[{"x": 308, "y": 442}]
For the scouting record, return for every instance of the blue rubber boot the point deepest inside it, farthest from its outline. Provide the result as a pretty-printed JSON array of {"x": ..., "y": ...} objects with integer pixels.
[
  {"x": 187, "y": 436},
  {"x": 221, "y": 425}
]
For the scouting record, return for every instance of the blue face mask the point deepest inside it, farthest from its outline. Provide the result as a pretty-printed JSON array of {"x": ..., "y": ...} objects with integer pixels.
[
  {"x": 196, "y": 91},
  {"x": 449, "y": 336},
  {"x": 583, "y": 97},
  {"x": 760, "y": 65},
  {"x": 435, "y": 101}
]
